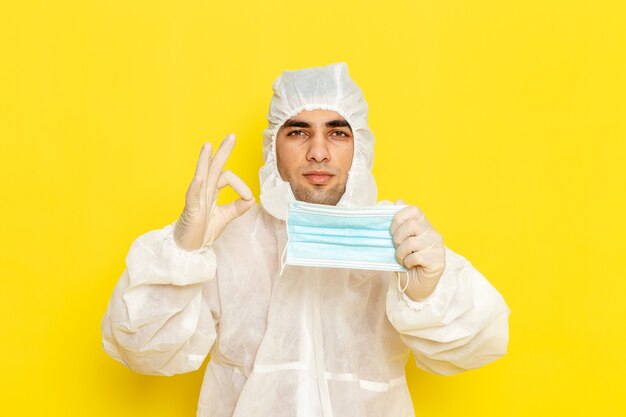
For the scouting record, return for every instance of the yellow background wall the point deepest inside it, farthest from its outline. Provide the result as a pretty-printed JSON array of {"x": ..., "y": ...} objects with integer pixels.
[{"x": 504, "y": 121}]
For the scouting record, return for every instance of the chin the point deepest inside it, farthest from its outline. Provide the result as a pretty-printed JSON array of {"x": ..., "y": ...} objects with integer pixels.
[{"x": 329, "y": 197}]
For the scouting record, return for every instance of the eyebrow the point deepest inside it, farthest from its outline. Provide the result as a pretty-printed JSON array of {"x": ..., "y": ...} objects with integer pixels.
[{"x": 302, "y": 123}]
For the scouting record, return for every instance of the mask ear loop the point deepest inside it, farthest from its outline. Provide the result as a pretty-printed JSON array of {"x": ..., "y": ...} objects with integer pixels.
[
  {"x": 282, "y": 260},
  {"x": 402, "y": 290},
  {"x": 282, "y": 257}
]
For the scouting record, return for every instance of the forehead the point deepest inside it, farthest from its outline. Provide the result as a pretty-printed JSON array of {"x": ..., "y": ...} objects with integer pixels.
[{"x": 317, "y": 114}]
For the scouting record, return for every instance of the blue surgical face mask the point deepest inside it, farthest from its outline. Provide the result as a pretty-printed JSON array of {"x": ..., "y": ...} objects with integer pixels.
[{"x": 341, "y": 237}]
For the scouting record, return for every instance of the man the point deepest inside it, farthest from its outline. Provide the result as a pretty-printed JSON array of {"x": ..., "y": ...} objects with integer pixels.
[{"x": 309, "y": 341}]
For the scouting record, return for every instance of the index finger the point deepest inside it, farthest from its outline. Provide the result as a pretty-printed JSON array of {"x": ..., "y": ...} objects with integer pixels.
[
  {"x": 219, "y": 160},
  {"x": 203, "y": 160}
]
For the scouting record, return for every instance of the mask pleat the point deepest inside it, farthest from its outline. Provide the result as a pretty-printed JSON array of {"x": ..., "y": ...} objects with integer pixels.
[{"x": 342, "y": 237}]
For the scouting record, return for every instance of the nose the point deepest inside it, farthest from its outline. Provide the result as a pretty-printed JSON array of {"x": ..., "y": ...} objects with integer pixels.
[{"x": 318, "y": 148}]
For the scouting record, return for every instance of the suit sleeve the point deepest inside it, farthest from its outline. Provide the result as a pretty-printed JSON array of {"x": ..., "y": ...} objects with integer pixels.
[
  {"x": 462, "y": 325},
  {"x": 162, "y": 317}
]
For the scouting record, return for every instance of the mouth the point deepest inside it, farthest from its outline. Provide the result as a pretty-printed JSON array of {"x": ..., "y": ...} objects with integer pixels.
[{"x": 318, "y": 177}]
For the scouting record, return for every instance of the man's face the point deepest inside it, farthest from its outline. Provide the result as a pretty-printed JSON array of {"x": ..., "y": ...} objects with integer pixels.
[{"x": 314, "y": 152}]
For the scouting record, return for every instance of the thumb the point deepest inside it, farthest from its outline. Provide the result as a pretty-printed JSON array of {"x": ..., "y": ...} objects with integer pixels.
[{"x": 237, "y": 208}]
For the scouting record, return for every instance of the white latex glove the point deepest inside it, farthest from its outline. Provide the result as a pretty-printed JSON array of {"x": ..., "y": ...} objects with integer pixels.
[
  {"x": 202, "y": 220},
  {"x": 420, "y": 249}
]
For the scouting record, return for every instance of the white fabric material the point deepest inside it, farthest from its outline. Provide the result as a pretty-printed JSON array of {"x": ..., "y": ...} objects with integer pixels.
[{"x": 311, "y": 342}]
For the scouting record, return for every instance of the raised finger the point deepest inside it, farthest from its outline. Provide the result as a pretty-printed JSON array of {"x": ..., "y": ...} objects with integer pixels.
[
  {"x": 203, "y": 160},
  {"x": 193, "y": 195},
  {"x": 199, "y": 180},
  {"x": 230, "y": 178},
  {"x": 219, "y": 160}
]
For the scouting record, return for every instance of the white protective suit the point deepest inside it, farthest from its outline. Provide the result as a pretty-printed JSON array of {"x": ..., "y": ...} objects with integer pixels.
[{"x": 312, "y": 341}]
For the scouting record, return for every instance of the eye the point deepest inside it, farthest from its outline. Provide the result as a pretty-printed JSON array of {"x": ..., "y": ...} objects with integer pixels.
[
  {"x": 297, "y": 133},
  {"x": 341, "y": 133}
]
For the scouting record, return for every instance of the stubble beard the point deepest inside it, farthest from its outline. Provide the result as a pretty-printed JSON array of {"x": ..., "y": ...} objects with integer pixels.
[
  {"x": 317, "y": 195},
  {"x": 312, "y": 193}
]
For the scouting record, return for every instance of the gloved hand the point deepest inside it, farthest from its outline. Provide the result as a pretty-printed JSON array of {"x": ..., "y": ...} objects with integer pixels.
[
  {"x": 202, "y": 220},
  {"x": 420, "y": 249}
]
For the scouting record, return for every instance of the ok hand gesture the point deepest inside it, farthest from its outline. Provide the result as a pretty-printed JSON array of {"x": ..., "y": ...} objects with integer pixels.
[{"x": 202, "y": 220}]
